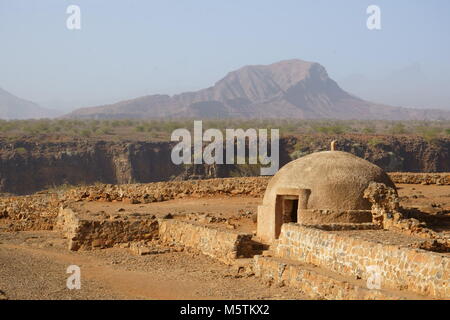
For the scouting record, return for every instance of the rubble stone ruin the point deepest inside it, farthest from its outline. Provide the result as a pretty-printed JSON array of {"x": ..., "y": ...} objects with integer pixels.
[
  {"x": 329, "y": 223},
  {"x": 321, "y": 188}
]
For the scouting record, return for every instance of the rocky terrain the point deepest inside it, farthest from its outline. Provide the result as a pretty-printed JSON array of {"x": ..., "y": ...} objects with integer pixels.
[
  {"x": 294, "y": 88},
  {"x": 33, "y": 164},
  {"x": 34, "y": 255},
  {"x": 39, "y": 211}
]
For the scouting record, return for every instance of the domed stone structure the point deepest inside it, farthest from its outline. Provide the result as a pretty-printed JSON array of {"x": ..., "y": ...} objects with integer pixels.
[{"x": 321, "y": 188}]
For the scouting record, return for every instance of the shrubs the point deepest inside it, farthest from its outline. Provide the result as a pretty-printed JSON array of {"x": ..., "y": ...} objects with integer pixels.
[
  {"x": 369, "y": 130},
  {"x": 398, "y": 128},
  {"x": 430, "y": 134},
  {"x": 21, "y": 150},
  {"x": 332, "y": 129},
  {"x": 140, "y": 128},
  {"x": 85, "y": 133},
  {"x": 162, "y": 129},
  {"x": 374, "y": 142}
]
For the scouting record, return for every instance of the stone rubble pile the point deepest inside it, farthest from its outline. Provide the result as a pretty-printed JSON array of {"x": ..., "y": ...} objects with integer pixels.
[
  {"x": 163, "y": 191},
  {"x": 35, "y": 212},
  {"x": 388, "y": 214},
  {"x": 142, "y": 248},
  {"x": 420, "y": 178},
  {"x": 205, "y": 218},
  {"x": 39, "y": 211}
]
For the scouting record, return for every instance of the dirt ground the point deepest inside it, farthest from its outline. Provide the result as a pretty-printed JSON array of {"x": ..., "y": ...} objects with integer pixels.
[
  {"x": 429, "y": 198},
  {"x": 33, "y": 264}
]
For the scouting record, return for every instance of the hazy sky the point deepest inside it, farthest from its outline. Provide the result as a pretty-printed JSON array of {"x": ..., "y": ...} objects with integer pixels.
[{"x": 129, "y": 48}]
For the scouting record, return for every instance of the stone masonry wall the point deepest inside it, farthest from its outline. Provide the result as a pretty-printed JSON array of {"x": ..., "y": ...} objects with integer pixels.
[
  {"x": 224, "y": 245},
  {"x": 88, "y": 234},
  {"x": 401, "y": 268},
  {"x": 317, "y": 284}
]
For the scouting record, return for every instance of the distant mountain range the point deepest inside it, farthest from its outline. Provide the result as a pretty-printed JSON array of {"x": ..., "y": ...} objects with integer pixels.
[
  {"x": 286, "y": 89},
  {"x": 12, "y": 107}
]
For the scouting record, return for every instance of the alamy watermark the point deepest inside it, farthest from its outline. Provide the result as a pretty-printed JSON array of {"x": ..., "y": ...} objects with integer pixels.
[
  {"x": 191, "y": 150},
  {"x": 74, "y": 280},
  {"x": 374, "y": 279},
  {"x": 73, "y": 21},
  {"x": 374, "y": 19}
]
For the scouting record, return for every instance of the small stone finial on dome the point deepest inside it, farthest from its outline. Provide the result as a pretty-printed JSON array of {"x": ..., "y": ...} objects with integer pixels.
[{"x": 333, "y": 145}]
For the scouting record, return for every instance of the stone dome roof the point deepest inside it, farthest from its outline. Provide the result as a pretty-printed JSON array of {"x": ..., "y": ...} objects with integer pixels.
[{"x": 337, "y": 180}]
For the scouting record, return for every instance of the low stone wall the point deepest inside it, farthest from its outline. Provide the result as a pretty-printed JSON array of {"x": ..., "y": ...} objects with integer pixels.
[
  {"x": 88, "y": 234},
  {"x": 400, "y": 268},
  {"x": 223, "y": 245},
  {"x": 420, "y": 178},
  {"x": 25, "y": 213},
  {"x": 316, "y": 284}
]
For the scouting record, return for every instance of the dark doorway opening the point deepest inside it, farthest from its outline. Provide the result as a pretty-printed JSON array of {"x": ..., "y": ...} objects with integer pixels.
[
  {"x": 290, "y": 208},
  {"x": 294, "y": 210},
  {"x": 286, "y": 211}
]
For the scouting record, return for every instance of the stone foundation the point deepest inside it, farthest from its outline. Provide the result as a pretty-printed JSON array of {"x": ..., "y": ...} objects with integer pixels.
[
  {"x": 223, "y": 245},
  {"x": 319, "y": 284},
  {"x": 86, "y": 232},
  {"x": 401, "y": 268}
]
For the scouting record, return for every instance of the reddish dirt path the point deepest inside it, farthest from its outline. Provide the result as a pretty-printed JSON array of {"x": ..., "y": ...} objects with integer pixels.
[{"x": 33, "y": 266}]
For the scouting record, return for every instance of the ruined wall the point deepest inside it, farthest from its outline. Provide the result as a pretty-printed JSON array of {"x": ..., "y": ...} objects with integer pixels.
[
  {"x": 418, "y": 271},
  {"x": 420, "y": 178},
  {"x": 35, "y": 212},
  {"x": 163, "y": 191},
  {"x": 39, "y": 211},
  {"x": 88, "y": 234},
  {"x": 223, "y": 245}
]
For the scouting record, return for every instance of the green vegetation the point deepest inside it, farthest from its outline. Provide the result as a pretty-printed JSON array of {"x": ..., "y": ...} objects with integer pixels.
[
  {"x": 160, "y": 130},
  {"x": 21, "y": 150},
  {"x": 332, "y": 129},
  {"x": 373, "y": 142},
  {"x": 398, "y": 128},
  {"x": 430, "y": 134}
]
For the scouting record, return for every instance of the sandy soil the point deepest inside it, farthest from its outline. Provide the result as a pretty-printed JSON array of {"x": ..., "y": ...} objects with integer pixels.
[
  {"x": 238, "y": 210},
  {"x": 33, "y": 266},
  {"x": 429, "y": 198}
]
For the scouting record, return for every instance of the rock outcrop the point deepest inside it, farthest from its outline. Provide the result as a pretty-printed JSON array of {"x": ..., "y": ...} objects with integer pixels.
[{"x": 30, "y": 165}]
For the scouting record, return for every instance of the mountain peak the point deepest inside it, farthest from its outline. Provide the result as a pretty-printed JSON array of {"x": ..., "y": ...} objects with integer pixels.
[
  {"x": 284, "y": 73},
  {"x": 286, "y": 89},
  {"x": 12, "y": 107}
]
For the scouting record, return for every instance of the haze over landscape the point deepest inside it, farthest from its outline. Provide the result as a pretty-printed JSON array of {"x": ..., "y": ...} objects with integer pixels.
[{"x": 147, "y": 55}]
